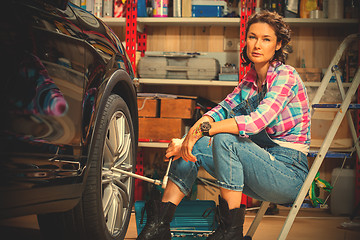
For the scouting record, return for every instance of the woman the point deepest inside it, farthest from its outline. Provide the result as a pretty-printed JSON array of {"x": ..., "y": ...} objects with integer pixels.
[{"x": 254, "y": 142}]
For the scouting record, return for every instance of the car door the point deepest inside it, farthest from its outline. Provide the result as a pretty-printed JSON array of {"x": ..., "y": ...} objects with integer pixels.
[{"x": 41, "y": 95}]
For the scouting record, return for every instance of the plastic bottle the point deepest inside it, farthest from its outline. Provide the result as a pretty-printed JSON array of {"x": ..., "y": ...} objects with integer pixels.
[
  {"x": 141, "y": 8},
  {"x": 336, "y": 9},
  {"x": 306, "y": 6},
  {"x": 342, "y": 196},
  {"x": 160, "y": 8}
]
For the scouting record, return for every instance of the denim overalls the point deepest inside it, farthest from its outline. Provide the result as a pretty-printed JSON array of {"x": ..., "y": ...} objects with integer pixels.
[{"x": 257, "y": 166}]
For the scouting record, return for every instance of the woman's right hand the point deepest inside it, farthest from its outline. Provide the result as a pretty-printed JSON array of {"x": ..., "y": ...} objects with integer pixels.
[{"x": 174, "y": 148}]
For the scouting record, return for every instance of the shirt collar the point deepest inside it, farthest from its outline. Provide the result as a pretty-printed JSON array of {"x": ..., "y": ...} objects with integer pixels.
[{"x": 270, "y": 76}]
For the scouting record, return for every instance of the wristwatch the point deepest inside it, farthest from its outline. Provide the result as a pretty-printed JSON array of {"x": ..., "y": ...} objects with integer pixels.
[{"x": 205, "y": 128}]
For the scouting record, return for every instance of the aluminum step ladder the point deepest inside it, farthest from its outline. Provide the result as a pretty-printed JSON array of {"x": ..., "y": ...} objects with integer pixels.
[{"x": 324, "y": 149}]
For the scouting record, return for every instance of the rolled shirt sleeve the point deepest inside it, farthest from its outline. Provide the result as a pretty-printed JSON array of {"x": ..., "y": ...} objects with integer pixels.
[{"x": 278, "y": 96}]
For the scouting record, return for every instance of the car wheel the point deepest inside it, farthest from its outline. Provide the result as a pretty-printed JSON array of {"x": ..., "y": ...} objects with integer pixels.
[{"x": 105, "y": 209}]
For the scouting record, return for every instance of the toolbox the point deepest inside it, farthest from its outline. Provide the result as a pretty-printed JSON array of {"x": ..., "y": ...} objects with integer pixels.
[
  {"x": 178, "y": 67},
  {"x": 229, "y": 73},
  {"x": 208, "y": 8},
  {"x": 193, "y": 219},
  {"x": 310, "y": 74},
  {"x": 207, "y": 11}
]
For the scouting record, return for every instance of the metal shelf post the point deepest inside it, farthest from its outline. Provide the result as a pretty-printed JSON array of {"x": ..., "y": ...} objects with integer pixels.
[
  {"x": 247, "y": 8},
  {"x": 131, "y": 31}
]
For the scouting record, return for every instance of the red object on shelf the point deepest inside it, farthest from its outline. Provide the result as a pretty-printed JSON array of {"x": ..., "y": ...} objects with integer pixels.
[
  {"x": 139, "y": 186},
  {"x": 141, "y": 39},
  {"x": 119, "y": 9},
  {"x": 247, "y": 8},
  {"x": 131, "y": 32}
]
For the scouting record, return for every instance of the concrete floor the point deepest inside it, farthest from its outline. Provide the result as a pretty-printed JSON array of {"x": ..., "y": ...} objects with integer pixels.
[{"x": 312, "y": 224}]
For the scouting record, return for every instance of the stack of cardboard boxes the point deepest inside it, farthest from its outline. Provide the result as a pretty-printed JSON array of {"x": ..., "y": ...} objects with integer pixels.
[{"x": 161, "y": 119}]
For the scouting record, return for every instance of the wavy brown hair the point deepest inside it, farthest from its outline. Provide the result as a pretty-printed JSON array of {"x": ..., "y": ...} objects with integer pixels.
[{"x": 282, "y": 32}]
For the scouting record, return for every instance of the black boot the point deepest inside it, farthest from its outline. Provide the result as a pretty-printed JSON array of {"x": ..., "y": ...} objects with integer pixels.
[
  {"x": 230, "y": 222},
  {"x": 159, "y": 216}
]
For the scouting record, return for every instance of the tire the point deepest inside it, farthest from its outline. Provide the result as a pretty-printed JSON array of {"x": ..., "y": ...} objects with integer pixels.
[{"x": 105, "y": 208}]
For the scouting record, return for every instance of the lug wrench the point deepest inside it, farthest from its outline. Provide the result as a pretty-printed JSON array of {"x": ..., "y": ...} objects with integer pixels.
[
  {"x": 154, "y": 181},
  {"x": 166, "y": 178}
]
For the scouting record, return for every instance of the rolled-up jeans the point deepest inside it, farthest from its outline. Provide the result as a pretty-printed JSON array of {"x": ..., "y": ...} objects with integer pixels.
[{"x": 273, "y": 174}]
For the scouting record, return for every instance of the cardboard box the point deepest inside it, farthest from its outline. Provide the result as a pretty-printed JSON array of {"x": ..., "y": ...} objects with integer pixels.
[
  {"x": 161, "y": 128},
  {"x": 177, "y": 108},
  {"x": 320, "y": 125},
  {"x": 186, "y": 8},
  {"x": 148, "y": 107},
  {"x": 207, "y": 192},
  {"x": 310, "y": 74}
]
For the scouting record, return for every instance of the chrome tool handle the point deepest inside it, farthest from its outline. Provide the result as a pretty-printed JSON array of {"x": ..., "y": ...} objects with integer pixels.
[{"x": 166, "y": 178}]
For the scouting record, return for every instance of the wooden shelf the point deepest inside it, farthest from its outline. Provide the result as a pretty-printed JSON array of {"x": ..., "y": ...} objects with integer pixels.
[
  {"x": 317, "y": 84},
  {"x": 214, "y": 21},
  {"x": 156, "y": 81},
  {"x": 153, "y": 144},
  {"x": 190, "y": 21},
  {"x": 114, "y": 22},
  {"x": 323, "y": 22}
]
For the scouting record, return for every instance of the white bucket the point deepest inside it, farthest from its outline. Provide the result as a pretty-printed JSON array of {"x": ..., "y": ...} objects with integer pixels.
[
  {"x": 342, "y": 197},
  {"x": 336, "y": 9}
]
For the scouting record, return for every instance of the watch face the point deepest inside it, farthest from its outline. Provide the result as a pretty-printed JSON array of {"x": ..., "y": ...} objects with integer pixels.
[{"x": 205, "y": 126}]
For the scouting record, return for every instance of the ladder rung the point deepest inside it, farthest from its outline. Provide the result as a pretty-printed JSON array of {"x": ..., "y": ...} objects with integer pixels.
[
  {"x": 335, "y": 105},
  {"x": 330, "y": 154}
]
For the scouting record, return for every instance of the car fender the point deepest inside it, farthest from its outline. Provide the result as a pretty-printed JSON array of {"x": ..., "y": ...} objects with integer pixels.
[{"x": 120, "y": 83}]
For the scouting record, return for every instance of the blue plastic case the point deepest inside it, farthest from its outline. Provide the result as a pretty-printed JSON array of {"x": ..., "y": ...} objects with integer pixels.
[
  {"x": 194, "y": 219},
  {"x": 207, "y": 11}
]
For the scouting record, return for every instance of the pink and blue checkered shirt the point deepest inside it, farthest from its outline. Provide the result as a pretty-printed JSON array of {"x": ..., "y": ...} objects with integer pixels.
[{"x": 284, "y": 112}]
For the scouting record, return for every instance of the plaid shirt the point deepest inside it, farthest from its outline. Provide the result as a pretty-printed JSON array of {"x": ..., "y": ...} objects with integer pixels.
[{"x": 284, "y": 112}]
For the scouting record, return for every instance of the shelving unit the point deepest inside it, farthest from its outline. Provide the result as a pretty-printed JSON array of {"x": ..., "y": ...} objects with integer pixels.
[
  {"x": 214, "y": 83},
  {"x": 318, "y": 31},
  {"x": 157, "y": 81},
  {"x": 306, "y": 31},
  {"x": 315, "y": 40},
  {"x": 230, "y": 22}
]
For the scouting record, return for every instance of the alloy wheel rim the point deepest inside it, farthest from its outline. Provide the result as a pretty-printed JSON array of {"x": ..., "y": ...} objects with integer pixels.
[{"x": 115, "y": 186}]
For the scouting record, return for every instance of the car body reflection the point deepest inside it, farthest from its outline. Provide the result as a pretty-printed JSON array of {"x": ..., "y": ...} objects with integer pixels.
[{"x": 59, "y": 66}]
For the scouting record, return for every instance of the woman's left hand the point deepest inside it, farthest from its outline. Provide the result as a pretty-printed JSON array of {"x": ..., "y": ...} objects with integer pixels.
[{"x": 188, "y": 144}]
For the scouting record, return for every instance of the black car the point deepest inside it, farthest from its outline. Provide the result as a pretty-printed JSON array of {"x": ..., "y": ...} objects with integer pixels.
[{"x": 68, "y": 121}]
